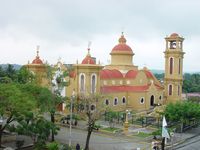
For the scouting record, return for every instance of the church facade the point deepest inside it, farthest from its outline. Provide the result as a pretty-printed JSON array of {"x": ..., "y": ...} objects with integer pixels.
[{"x": 122, "y": 83}]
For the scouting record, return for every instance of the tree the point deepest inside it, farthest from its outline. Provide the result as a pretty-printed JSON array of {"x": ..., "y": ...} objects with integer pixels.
[
  {"x": 14, "y": 103},
  {"x": 182, "y": 112},
  {"x": 25, "y": 76},
  {"x": 93, "y": 110}
]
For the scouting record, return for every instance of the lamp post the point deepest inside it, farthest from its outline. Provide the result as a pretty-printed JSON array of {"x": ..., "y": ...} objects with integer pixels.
[
  {"x": 70, "y": 124},
  {"x": 1, "y": 124},
  {"x": 126, "y": 125}
]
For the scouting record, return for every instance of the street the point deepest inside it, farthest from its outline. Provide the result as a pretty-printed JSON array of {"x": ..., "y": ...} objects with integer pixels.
[
  {"x": 189, "y": 144},
  {"x": 100, "y": 141}
]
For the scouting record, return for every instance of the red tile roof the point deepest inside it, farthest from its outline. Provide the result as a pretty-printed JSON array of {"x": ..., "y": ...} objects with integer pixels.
[
  {"x": 110, "y": 74},
  {"x": 88, "y": 60},
  {"x": 131, "y": 74},
  {"x": 174, "y": 35},
  {"x": 122, "y": 47},
  {"x": 148, "y": 74},
  {"x": 37, "y": 60}
]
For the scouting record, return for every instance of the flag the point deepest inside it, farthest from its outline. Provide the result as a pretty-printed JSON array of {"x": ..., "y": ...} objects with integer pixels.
[{"x": 164, "y": 129}]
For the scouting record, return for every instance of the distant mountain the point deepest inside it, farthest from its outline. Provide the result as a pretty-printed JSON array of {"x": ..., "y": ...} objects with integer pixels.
[{"x": 16, "y": 66}]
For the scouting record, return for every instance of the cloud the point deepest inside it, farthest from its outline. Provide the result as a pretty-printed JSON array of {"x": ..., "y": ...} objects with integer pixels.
[{"x": 64, "y": 27}]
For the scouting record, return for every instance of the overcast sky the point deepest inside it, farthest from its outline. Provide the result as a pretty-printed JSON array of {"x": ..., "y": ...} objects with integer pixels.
[{"x": 63, "y": 28}]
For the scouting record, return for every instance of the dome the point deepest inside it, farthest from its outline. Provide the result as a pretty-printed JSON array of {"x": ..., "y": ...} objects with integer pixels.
[
  {"x": 174, "y": 35},
  {"x": 88, "y": 59},
  {"x": 37, "y": 60},
  {"x": 109, "y": 74},
  {"x": 131, "y": 74},
  {"x": 122, "y": 46}
]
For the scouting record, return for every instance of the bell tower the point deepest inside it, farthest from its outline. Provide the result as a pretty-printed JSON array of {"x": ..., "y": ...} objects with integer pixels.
[{"x": 173, "y": 79}]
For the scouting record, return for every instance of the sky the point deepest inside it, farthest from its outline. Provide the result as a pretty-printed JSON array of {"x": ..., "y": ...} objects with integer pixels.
[{"x": 63, "y": 29}]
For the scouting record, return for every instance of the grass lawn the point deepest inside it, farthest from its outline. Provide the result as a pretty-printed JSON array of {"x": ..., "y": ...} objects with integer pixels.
[
  {"x": 110, "y": 129},
  {"x": 143, "y": 134}
]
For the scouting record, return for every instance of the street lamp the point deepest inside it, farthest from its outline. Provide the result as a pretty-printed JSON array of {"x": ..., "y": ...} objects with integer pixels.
[
  {"x": 1, "y": 124},
  {"x": 126, "y": 125},
  {"x": 70, "y": 124}
]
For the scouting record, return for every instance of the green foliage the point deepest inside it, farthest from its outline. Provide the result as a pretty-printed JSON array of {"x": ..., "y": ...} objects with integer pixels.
[
  {"x": 191, "y": 83},
  {"x": 53, "y": 146},
  {"x": 25, "y": 76},
  {"x": 182, "y": 111}
]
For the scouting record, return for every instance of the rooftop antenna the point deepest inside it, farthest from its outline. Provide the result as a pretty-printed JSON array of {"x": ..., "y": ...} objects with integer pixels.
[
  {"x": 89, "y": 44},
  {"x": 37, "y": 48}
]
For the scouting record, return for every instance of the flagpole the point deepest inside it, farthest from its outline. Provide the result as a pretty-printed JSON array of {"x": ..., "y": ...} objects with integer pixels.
[{"x": 163, "y": 143}]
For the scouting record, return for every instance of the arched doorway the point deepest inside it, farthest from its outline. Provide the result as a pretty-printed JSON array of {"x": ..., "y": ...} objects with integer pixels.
[{"x": 152, "y": 100}]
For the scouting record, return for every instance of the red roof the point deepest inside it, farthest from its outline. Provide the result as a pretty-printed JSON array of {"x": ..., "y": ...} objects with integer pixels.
[
  {"x": 108, "y": 74},
  {"x": 122, "y": 47},
  {"x": 37, "y": 60},
  {"x": 131, "y": 74},
  {"x": 72, "y": 74},
  {"x": 88, "y": 60},
  {"x": 124, "y": 88},
  {"x": 174, "y": 35},
  {"x": 148, "y": 74}
]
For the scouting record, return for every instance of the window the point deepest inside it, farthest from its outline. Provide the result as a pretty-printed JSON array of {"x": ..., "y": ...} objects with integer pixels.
[
  {"x": 115, "y": 101},
  {"x": 171, "y": 61},
  {"x": 93, "y": 84},
  {"x": 152, "y": 100},
  {"x": 127, "y": 82},
  {"x": 179, "y": 66},
  {"x": 142, "y": 100},
  {"x": 178, "y": 90},
  {"x": 92, "y": 107},
  {"x": 160, "y": 97},
  {"x": 120, "y": 82},
  {"x": 82, "y": 83},
  {"x": 105, "y": 82},
  {"x": 107, "y": 102},
  {"x": 123, "y": 100},
  {"x": 170, "y": 89}
]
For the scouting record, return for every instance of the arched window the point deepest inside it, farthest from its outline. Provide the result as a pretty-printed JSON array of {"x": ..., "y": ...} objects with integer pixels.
[
  {"x": 93, "y": 84},
  {"x": 178, "y": 90},
  {"x": 170, "y": 89},
  {"x": 160, "y": 97},
  {"x": 179, "y": 66},
  {"x": 115, "y": 101},
  {"x": 82, "y": 83},
  {"x": 123, "y": 100},
  {"x": 92, "y": 107},
  {"x": 171, "y": 62},
  {"x": 107, "y": 102},
  {"x": 152, "y": 100}
]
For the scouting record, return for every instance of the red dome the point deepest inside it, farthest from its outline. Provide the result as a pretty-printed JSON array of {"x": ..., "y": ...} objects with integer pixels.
[
  {"x": 174, "y": 35},
  {"x": 37, "y": 60},
  {"x": 108, "y": 74},
  {"x": 131, "y": 74},
  {"x": 122, "y": 47},
  {"x": 88, "y": 60}
]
